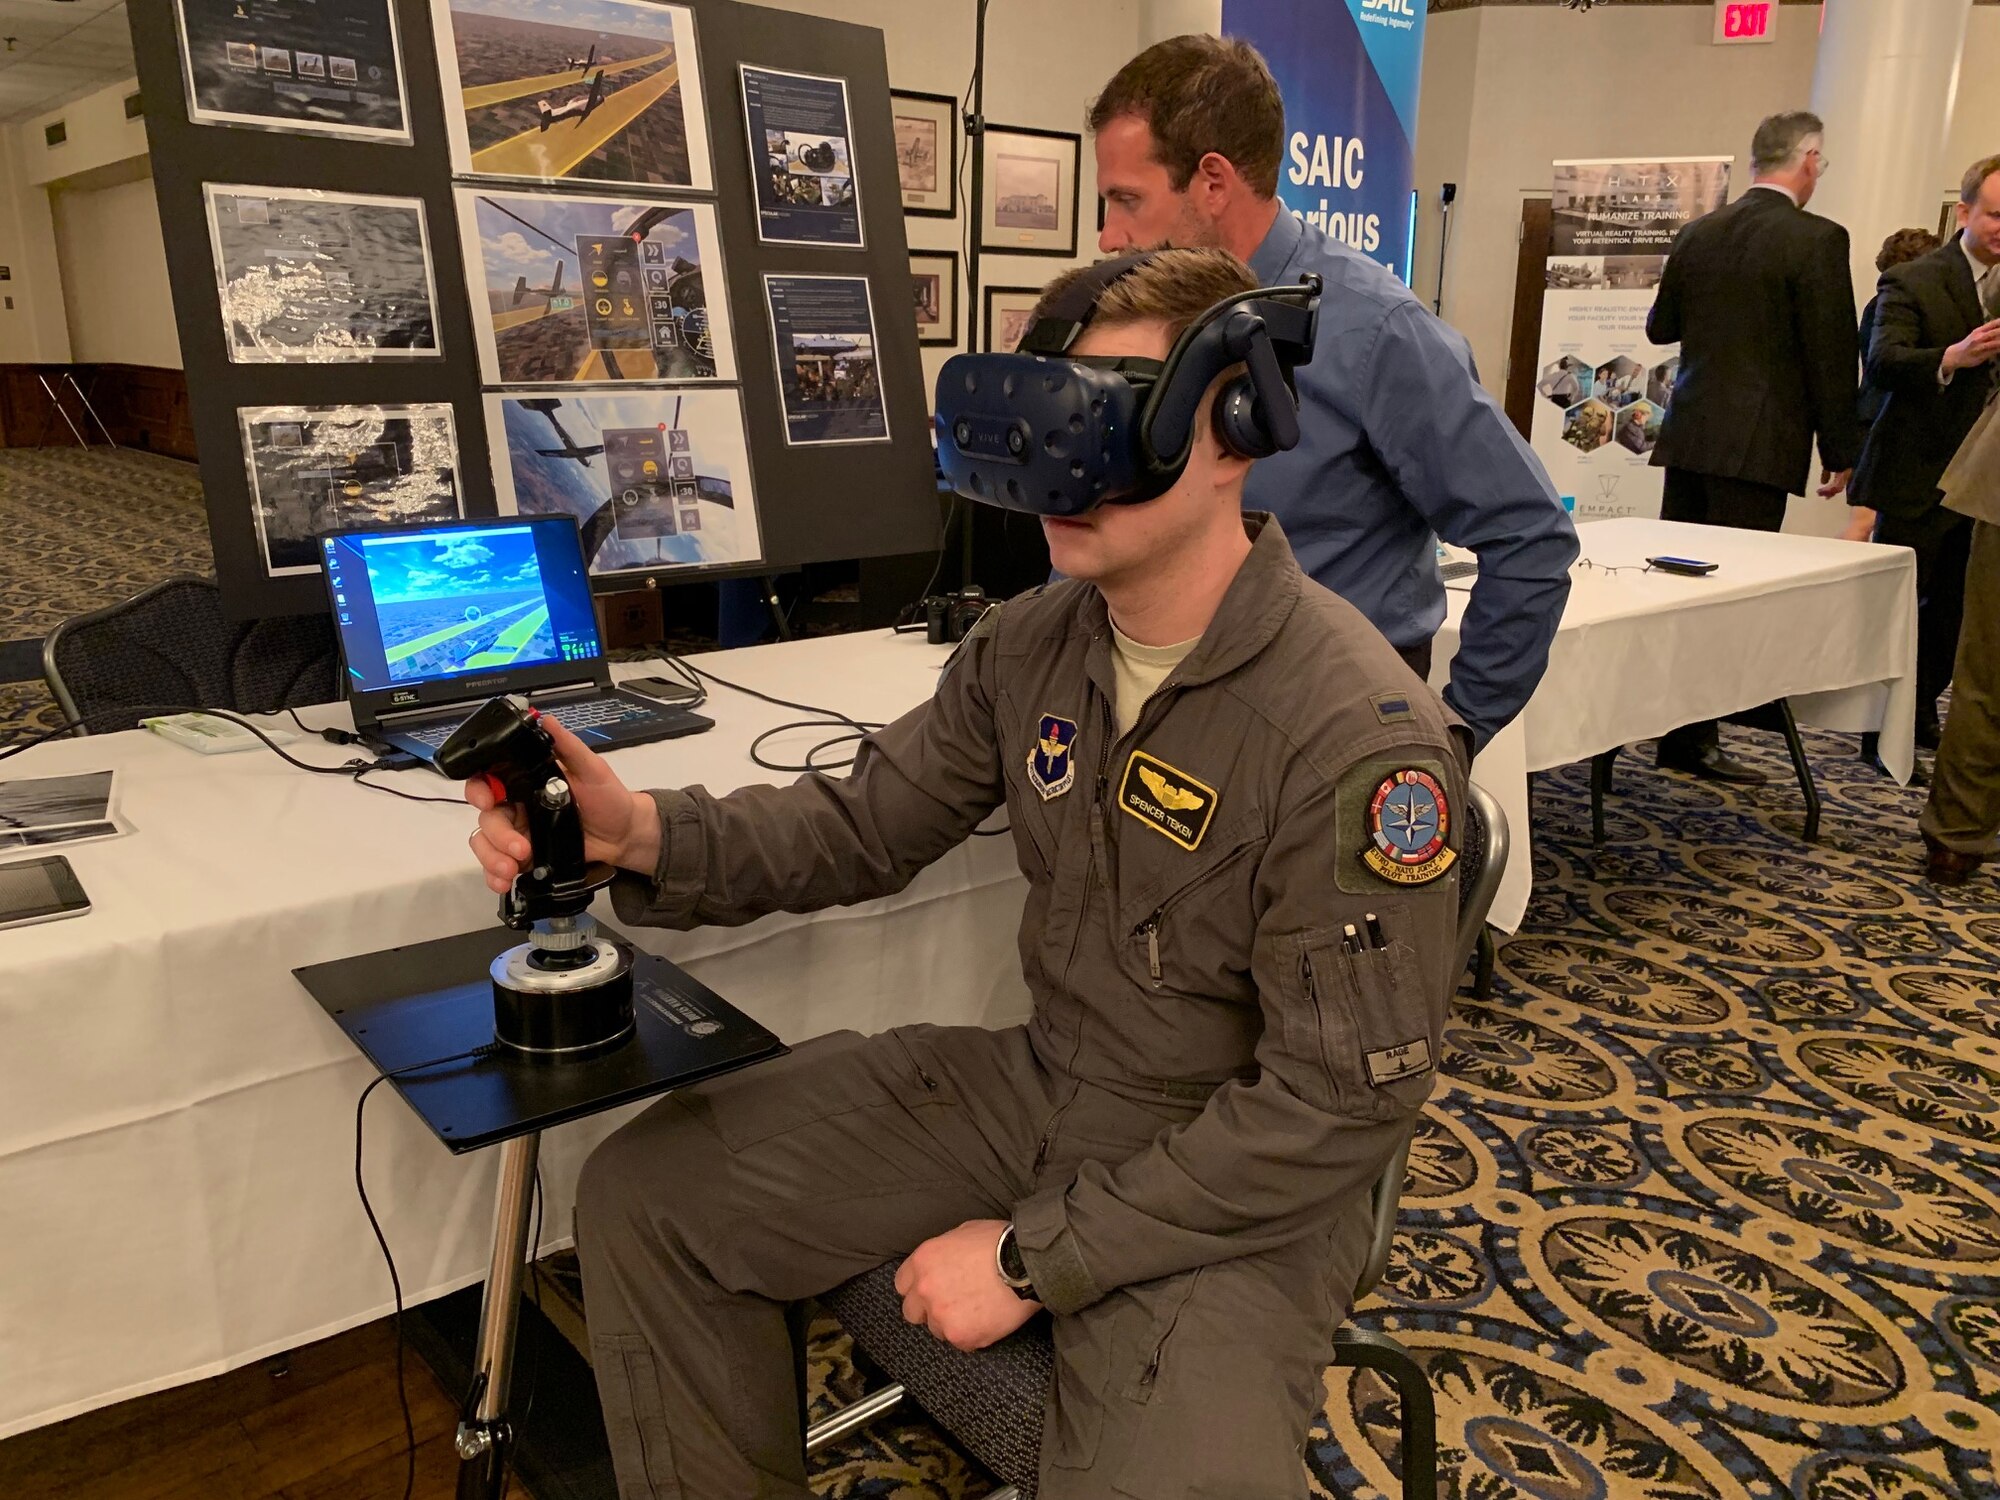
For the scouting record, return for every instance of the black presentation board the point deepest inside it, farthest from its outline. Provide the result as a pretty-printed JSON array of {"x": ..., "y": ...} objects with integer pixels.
[{"x": 816, "y": 504}]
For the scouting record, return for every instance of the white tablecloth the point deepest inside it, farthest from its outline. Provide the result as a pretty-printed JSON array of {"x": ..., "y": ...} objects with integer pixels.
[
  {"x": 1831, "y": 625},
  {"x": 177, "y": 1115}
]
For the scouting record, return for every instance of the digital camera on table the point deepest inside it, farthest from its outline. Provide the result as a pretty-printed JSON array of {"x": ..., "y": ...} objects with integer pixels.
[{"x": 948, "y": 617}]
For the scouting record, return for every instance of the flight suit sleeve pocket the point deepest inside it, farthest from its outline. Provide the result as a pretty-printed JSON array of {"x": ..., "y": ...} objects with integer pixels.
[{"x": 1376, "y": 1034}]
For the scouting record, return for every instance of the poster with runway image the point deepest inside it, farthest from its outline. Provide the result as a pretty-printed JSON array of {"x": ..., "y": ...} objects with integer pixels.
[
  {"x": 315, "y": 469},
  {"x": 588, "y": 91},
  {"x": 312, "y": 277},
  {"x": 823, "y": 333},
  {"x": 584, "y": 291},
  {"x": 801, "y": 158},
  {"x": 655, "y": 478},
  {"x": 317, "y": 67},
  {"x": 1602, "y": 387}
]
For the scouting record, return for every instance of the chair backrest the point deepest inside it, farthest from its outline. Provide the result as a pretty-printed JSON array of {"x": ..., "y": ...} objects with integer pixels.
[
  {"x": 172, "y": 647},
  {"x": 1482, "y": 860}
]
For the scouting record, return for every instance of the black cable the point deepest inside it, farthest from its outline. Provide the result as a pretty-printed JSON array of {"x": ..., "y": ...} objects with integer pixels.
[
  {"x": 355, "y": 768},
  {"x": 376, "y": 786},
  {"x": 381, "y": 1240},
  {"x": 826, "y": 718},
  {"x": 535, "y": 1290}
]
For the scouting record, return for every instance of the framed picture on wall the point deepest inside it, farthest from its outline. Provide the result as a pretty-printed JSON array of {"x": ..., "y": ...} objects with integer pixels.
[
  {"x": 934, "y": 288},
  {"x": 1030, "y": 193},
  {"x": 926, "y": 153},
  {"x": 1008, "y": 309}
]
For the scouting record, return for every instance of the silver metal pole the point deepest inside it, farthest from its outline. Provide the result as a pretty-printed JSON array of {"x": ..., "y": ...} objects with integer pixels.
[
  {"x": 499, "y": 1309},
  {"x": 56, "y": 401},
  {"x": 849, "y": 1418},
  {"x": 71, "y": 378}
]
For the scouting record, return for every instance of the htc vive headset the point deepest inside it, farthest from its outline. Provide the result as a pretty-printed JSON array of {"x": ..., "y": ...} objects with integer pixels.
[{"x": 1052, "y": 433}]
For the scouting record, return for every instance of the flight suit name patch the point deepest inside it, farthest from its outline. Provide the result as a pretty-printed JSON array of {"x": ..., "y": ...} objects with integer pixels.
[
  {"x": 1167, "y": 800},
  {"x": 1408, "y": 819},
  {"x": 1387, "y": 1064},
  {"x": 1051, "y": 767}
]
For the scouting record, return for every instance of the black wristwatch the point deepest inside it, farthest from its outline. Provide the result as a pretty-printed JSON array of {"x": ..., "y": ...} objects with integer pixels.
[{"x": 1013, "y": 1269}]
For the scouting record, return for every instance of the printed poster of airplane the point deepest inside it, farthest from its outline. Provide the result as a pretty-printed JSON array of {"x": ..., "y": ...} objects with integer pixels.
[
  {"x": 574, "y": 91},
  {"x": 594, "y": 291},
  {"x": 657, "y": 479}
]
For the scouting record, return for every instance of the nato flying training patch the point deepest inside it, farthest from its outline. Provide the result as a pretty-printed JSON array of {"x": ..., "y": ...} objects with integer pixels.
[
  {"x": 1167, "y": 800},
  {"x": 1408, "y": 820}
]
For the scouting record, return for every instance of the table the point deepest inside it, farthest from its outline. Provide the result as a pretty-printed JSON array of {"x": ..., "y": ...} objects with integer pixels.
[
  {"x": 1831, "y": 625},
  {"x": 177, "y": 1116}
]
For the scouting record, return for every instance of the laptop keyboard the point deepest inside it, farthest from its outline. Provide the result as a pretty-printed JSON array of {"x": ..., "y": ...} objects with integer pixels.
[
  {"x": 1455, "y": 570},
  {"x": 576, "y": 717}
]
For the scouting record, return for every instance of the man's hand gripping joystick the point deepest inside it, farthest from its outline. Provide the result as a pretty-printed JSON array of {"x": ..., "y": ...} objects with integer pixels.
[{"x": 567, "y": 992}]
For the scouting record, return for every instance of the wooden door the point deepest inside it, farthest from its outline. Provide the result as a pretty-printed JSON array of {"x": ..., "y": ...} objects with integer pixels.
[{"x": 1524, "y": 343}]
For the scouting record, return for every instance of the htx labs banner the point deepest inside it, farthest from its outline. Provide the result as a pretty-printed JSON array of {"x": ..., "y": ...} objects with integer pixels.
[
  {"x": 1602, "y": 387},
  {"x": 1348, "y": 71}
]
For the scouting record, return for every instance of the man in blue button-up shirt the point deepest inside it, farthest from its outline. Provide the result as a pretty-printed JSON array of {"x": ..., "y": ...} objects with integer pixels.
[{"x": 1400, "y": 442}]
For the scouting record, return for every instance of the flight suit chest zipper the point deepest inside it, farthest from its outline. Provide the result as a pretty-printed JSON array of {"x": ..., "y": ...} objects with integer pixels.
[{"x": 1089, "y": 873}]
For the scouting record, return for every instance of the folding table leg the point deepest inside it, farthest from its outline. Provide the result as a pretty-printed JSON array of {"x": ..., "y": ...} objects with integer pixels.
[
  {"x": 1600, "y": 783},
  {"x": 1802, "y": 766}
]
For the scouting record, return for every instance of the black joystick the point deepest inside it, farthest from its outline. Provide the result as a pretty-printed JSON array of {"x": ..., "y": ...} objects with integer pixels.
[{"x": 566, "y": 993}]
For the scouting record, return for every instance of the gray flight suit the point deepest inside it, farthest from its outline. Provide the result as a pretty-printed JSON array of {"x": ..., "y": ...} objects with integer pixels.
[{"x": 1183, "y": 1134}]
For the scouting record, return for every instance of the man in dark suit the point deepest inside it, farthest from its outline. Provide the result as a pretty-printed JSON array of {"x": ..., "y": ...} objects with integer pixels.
[
  {"x": 1931, "y": 355},
  {"x": 1759, "y": 297}
]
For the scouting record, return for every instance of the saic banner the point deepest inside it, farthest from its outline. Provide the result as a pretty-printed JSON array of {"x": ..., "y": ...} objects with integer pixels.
[
  {"x": 1602, "y": 387},
  {"x": 1348, "y": 71}
]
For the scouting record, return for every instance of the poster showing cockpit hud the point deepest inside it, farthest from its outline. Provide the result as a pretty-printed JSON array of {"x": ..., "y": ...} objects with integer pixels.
[
  {"x": 312, "y": 277},
  {"x": 801, "y": 158},
  {"x": 587, "y": 91},
  {"x": 318, "y": 67},
  {"x": 331, "y": 468},
  {"x": 583, "y": 291},
  {"x": 823, "y": 333},
  {"x": 656, "y": 479}
]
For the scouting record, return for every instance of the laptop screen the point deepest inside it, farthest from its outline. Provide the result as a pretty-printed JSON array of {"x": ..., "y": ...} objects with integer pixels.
[{"x": 422, "y": 605}]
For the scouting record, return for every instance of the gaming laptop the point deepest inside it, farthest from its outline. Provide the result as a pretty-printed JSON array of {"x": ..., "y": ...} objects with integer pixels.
[{"x": 437, "y": 618}]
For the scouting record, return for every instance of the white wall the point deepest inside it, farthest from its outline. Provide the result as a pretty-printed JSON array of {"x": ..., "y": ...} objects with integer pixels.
[
  {"x": 33, "y": 329},
  {"x": 98, "y": 135},
  {"x": 1045, "y": 61},
  {"x": 102, "y": 147},
  {"x": 114, "y": 271}
]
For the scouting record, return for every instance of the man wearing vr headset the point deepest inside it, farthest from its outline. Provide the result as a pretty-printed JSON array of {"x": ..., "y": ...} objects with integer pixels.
[
  {"x": 1237, "y": 812},
  {"x": 1400, "y": 441}
]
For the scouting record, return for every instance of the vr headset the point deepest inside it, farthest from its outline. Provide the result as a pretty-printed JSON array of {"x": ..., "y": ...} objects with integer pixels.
[{"x": 1052, "y": 433}]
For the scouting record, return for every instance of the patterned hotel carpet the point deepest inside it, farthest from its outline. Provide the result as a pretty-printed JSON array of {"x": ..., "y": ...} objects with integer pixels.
[
  {"x": 1710, "y": 1203},
  {"x": 83, "y": 528}
]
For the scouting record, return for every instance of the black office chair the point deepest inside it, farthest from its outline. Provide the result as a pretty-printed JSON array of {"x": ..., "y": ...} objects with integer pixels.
[
  {"x": 991, "y": 1401},
  {"x": 170, "y": 647}
]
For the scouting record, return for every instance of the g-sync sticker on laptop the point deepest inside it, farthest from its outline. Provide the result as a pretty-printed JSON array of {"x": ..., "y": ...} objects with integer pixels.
[{"x": 1167, "y": 800}]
